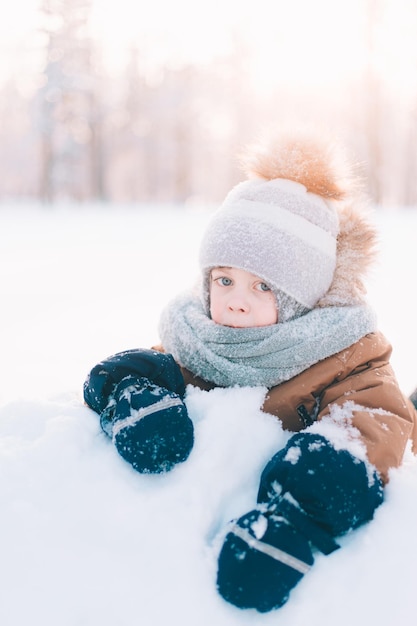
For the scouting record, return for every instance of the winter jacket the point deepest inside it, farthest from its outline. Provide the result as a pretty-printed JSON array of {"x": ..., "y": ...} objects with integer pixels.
[
  {"x": 361, "y": 380},
  {"x": 357, "y": 386}
]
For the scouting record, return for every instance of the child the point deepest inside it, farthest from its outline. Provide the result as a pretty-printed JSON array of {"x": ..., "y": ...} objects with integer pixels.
[{"x": 281, "y": 305}]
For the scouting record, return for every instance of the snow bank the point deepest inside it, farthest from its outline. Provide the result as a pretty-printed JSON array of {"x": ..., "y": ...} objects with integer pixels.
[{"x": 85, "y": 540}]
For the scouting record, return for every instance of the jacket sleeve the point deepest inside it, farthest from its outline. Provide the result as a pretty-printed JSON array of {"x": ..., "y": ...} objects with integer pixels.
[
  {"x": 380, "y": 412},
  {"x": 362, "y": 383}
]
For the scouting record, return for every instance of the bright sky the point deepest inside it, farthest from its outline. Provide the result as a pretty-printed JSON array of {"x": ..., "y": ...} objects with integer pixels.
[
  {"x": 320, "y": 42},
  {"x": 289, "y": 39}
]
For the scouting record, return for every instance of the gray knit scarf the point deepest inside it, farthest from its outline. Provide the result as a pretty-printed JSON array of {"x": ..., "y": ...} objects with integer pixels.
[{"x": 265, "y": 356}]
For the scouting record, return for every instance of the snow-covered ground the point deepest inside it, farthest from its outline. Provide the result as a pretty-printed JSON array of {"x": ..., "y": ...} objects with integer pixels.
[{"x": 86, "y": 541}]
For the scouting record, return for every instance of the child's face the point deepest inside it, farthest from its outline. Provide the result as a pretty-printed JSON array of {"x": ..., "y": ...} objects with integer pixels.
[{"x": 240, "y": 299}]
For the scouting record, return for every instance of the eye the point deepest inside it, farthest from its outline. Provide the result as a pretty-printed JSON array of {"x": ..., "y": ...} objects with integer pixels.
[
  {"x": 224, "y": 281},
  {"x": 263, "y": 287}
]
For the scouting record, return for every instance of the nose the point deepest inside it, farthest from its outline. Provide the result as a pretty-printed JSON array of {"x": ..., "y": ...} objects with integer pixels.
[{"x": 238, "y": 304}]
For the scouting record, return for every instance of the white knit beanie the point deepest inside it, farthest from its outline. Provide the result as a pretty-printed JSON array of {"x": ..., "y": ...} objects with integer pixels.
[{"x": 278, "y": 230}]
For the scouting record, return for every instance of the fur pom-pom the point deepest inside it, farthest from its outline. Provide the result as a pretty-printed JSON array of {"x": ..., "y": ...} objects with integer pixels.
[
  {"x": 321, "y": 165},
  {"x": 356, "y": 251},
  {"x": 314, "y": 161}
]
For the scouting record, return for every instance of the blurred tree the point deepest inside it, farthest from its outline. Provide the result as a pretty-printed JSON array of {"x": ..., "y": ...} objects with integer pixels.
[
  {"x": 18, "y": 144},
  {"x": 410, "y": 168},
  {"x": 374, "y": 114},
  {"x": 160, "y": 130},
  {"x": 69, "y": 118}
]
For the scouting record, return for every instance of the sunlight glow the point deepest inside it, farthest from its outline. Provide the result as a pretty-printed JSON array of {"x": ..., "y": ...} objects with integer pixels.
[
  {"x": 319, "y": 44},
  {"x": 282, "y": 42}
]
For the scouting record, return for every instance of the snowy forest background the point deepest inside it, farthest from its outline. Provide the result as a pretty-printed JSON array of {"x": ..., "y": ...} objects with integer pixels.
[
  {"x": 120, "y": 121},
  {"x": 162, "y": 127}
]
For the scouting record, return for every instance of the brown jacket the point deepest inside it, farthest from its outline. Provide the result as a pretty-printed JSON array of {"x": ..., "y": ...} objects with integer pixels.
[{"x": 361, "y": 375}]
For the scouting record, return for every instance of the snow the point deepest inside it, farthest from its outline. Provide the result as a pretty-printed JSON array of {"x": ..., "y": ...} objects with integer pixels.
[{"x": 85, "y": 540}]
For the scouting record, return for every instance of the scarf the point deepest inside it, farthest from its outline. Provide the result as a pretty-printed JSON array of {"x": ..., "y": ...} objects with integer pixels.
[{"x": 260, "y": 356}]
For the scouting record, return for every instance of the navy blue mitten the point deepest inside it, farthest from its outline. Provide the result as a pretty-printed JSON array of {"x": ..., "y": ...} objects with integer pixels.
[
  {"x": 336, "y": 490},
  {"x": 158, "y": 367},
  {"x": 263, "y": 557},
  {"x": 139, "y": 397},
  {"x": 149, "y": 425},
  {"x": 309, "y": 494}
]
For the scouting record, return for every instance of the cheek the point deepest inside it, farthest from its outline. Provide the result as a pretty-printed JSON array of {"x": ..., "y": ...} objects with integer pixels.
[
  {"x": 270, "y": 310},
  {"x": 214, "y": 305}
]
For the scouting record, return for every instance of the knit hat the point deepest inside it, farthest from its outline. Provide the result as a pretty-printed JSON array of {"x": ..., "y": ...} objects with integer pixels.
[{"x": 281, "y": 224}]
